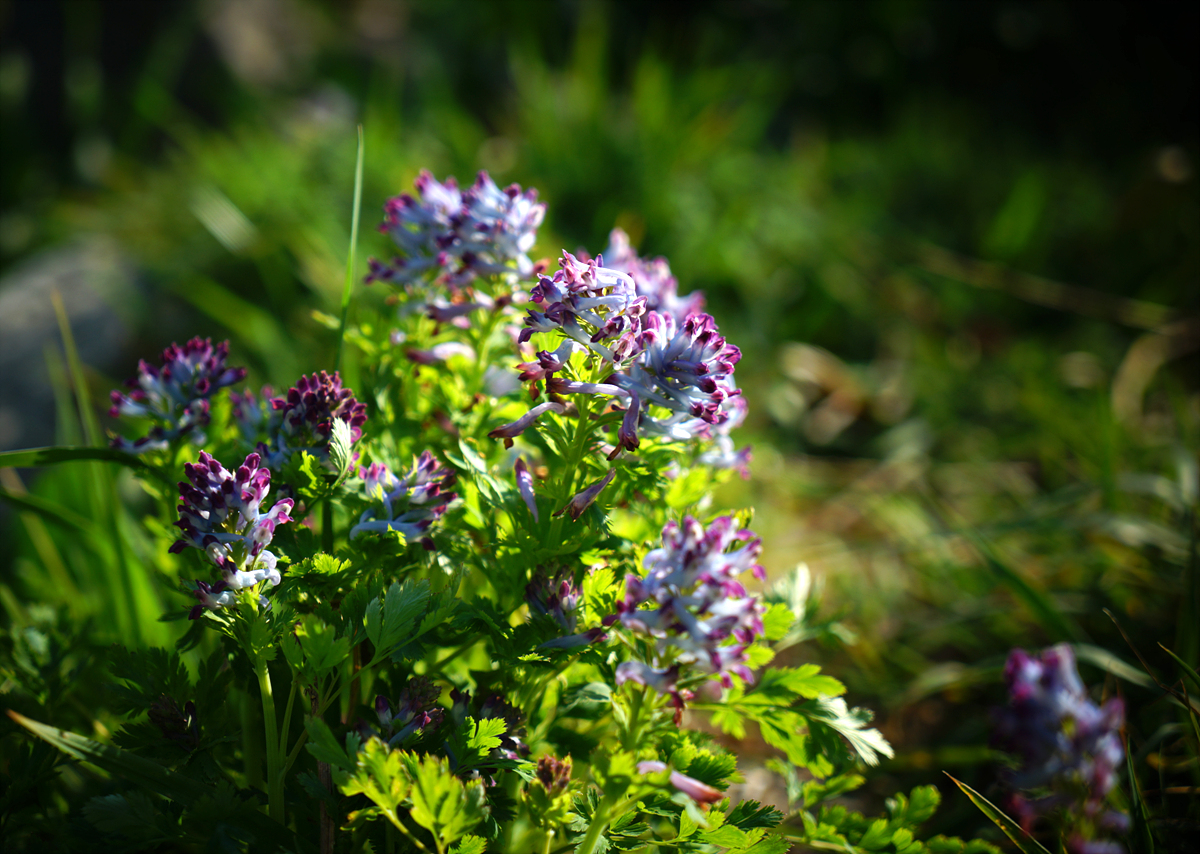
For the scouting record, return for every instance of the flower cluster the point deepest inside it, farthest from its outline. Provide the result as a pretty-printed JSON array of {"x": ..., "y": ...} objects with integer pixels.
[
  {"x": 685, "y": 368},
  {"x": 220, "y": 513},
  {"x": 697, "y": 606},
  {"x": 1067, "y": 745},
  {"x": 416, "y": 711},
  {"x": 556, "y": 600},
  {"x": 672, "y": 370},
  {"x": 454, "y": 235},
  {"x": 175, "y": 396},
  {"x": 589, "y": 304},
  {"x": 408, "y": 504},
  {"x": 302, "y": 420},
  {"x": 652, "y": 278}
]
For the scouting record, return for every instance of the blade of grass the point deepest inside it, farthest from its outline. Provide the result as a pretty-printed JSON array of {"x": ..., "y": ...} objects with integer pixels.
[
  {"x": 1026, "y": 843},
  {"x": 1184, "y": 666},
  {"x": 350, "y": 260},
  {"x": 62, "y": 454},
  {"x": 116, "y": 587},
  {"x": 43, "y": 543},
  {"x": 1138, "y": 810}
]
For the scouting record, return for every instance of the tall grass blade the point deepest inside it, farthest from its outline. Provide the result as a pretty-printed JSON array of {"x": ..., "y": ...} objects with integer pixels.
[
  {"x": 62, "y": 454},
  {"x": 350, "y": 261},
  {"x": 1026, "y": 843},
  {"x": 1187, "y": 669},
  {"x": 1139, "y": 813},
  {"x": 1051, "y": 619}
]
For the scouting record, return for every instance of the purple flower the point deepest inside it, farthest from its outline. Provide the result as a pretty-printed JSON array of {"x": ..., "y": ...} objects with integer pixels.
[
  {"x": 690, "y": 786},
  {"x": 685, "y": 368},
  {"x": 588, "y": 303},
  {"x": 516, "y": 428},
  {"x": 175, "y": 397},
  {"x": 582, "y": 500},
  {"x": 454, "y": 236},
  {"x": 302, "y": 420},
  {"x": 525, "y": 487},
  {"x": 652, "y": 278},
  {"x": 408, "y": 504},
  {"x": 220, "y": 513},
  {"x": 557, "y": 600},
  {"x": 699, "y": 610},
  {"x": 415, "y": 712},
  {"x": 1066, "y": 743}
]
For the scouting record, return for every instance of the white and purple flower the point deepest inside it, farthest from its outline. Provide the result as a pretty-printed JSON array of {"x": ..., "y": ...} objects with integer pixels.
[
  {"x": 699, "y": 612},
  {"x": 408, "y": 504},
  {"x": 220, "y": 514},
  {"x": 453, "y": 236},
  {"x": 175, "y": 396},
  {"x": 1067, "y": 744}
]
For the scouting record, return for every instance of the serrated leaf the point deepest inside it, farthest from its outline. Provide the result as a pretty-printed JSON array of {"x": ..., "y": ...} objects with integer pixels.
[
  {"x": 1026, "y": 843},
  {"x": 389, "y": 622},
  {"x": 483, "y": 735},
  {"x": 442, "y": 803},
  {"x": 470, "y": 845},
  {"x": 833, "y": 712},
  {"x": 340, "y": 453},
  {"x": 777, "y": 622}
]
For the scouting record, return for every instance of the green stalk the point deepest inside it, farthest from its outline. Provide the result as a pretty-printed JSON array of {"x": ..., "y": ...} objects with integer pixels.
[
  {"x": 566, "y": 486},
  {"x": 599, "y": 823},
  {"x": 349, "y": 287},
  {"x": 275, "y": 805}
]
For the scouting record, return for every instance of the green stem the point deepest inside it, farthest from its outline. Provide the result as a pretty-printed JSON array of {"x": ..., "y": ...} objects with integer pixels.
[
  {"x": 327, "y": 526},
  {"x": 287, "y": 719},
  {"x": 275, "y": 803},
  {"x": 566, "y": 485},
  {"x": 599, "y": 823}
]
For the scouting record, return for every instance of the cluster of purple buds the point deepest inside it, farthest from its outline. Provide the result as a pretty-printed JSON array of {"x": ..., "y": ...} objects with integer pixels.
[
  {"x": 554, "y": 774},
  {"x": 453, "y": 235},
  {"x": 221, "y": 514},
  {"x": 408, "y": 504},
  {"x": 416, "y": 711},
  {"x": 699, "y": 609},
  {"x": 652, "y": 278},
  {"x": 175, "y": 396},
  {"x": 557, "y": 600},
  {"x": 302, "y": 420},
  {"x": 1067, "y": 745}
]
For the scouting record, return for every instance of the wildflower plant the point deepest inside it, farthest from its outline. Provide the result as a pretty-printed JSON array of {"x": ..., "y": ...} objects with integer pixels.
[{"x": 533, "y": 637}]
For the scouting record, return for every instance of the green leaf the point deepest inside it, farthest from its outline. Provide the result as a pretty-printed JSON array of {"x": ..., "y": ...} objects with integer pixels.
[
  {"x": 777, "y": 621},
  {"x": 340, "y": 453},
  {"x": 323, "y": 745},
  {"x": 381, "y": 774},
  {"x": 470, "y": 845},
  {"x": 833, "y": 712},
  {"x": 388, "y": 622},
  {"x": 50, "y": 510},
  {"x": 1026, "y": 843},
  {"x": 63, "y": 454},
  {"x": 442, "y": 803},
  {"x": 484, "y": 735},
  {"x": 144, "y": 772}
]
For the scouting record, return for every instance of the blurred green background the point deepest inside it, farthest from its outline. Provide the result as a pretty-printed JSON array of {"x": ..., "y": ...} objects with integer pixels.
[{"x": 956, "y": 242}]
